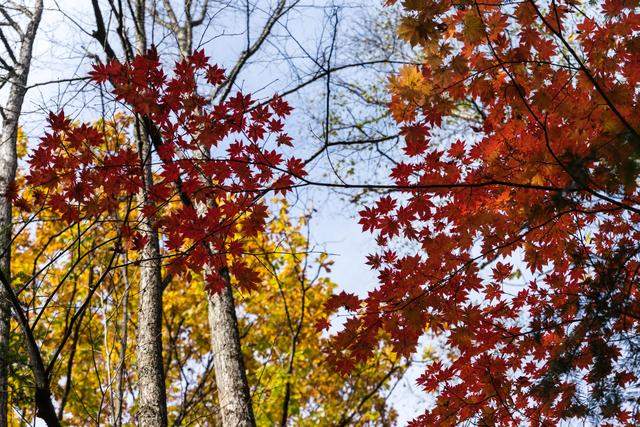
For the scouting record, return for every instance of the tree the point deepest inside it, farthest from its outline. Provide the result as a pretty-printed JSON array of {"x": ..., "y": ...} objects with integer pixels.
[
  {"x": 517, "y": 242},
  {"x": 62, "y": 262},
  {"x": 281, "y": 345},
  {"x": 68, "y": 178},
  {"x": 232, "y": 383},
  {"x": 130, "y": 24},
  {"x": 153, "y": 402},
  {"x": 93, "y": 380},
  {"x": 18, "y": 27}
]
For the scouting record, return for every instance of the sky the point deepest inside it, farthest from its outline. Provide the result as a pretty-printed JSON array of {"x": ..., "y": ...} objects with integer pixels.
[{"x": 61, "y": 53}]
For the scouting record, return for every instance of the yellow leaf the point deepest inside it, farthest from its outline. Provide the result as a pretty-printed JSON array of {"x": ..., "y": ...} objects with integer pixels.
[
  {"x": 537, "y": 180},
  {"x": 473, "y": 27},
  {"x": 410, "y": 84}
]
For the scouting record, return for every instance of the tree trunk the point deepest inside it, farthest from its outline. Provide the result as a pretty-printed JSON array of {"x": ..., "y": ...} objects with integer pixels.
[
  {"x": 153, "y": 396},
  {"x": 8, "y": 162},
  {"x": 234, "y": 395},
  {"x": 152, "y": 399},
  {"x": 42, "y": 396},
  {"x": 45, "y": 408},
  {"x": 123, "y": 347}
]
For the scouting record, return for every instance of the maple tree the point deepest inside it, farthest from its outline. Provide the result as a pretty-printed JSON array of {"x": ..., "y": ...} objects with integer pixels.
[
  {"x": 81, "y": 191},
  {"x": 58, "y": 269},
  {"x": 516, "y": 243},
  {"x": 281, "y": 346},
  {"x": 93, "y": 380},
  {"x": 67, "y": 176},
  {"x": 205, "y": 204}
]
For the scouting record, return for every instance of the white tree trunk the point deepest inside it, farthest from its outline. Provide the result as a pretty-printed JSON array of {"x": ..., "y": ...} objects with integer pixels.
[
  {"x": 8, "y": 162},
  {"x": 234, "y": 395},
  {"x": 153, "y": 396}
]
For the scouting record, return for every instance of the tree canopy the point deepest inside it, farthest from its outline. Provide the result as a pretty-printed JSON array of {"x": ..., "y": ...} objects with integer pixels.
[
  {"x": 159, "y": 264},
  {"x": 520, "y": 236}
]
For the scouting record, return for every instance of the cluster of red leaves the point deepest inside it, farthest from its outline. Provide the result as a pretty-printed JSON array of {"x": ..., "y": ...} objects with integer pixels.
[
  {"x": 212, "y": 164},
  {"x": 519, "y": 245}
]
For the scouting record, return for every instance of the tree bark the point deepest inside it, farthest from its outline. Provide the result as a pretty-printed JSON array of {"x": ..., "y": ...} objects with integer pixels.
[
  {"x": 18, "y": 78},
  {"x": 45, "y": 407},
  {"x": 151, "y": 384},
  {"x": 234, "y": 395},
  {"x": 123, "y": 347},
  {"x": 152, "y": 399}
]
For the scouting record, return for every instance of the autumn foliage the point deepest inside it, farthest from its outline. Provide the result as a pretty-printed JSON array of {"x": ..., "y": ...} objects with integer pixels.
[
  {"x": 213, "y": 164},
  {"x": 507, "y": 233},
  {"x": 94, "y": 385},
  {"x": 517, "y": 243}
]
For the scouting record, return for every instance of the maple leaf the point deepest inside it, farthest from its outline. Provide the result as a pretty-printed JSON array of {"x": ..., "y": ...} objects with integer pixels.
[
  {"x": 280, "y": 107},
  {"x": 215, "y": 75},
  {"x": 410, "y": 84},
  {"x": 296, "y": 167},
  {"x": 260, "y": 114},
  {"x": 255, "y": 131},
  {"x": 457, "y": 150},
  {"x": 58, "y": 122},
  {"x": 322, "y": 324},
  {"x": 473, "y": 26},
  {"x": 240, "y": 102},
  {"x": 343, "y": 299},
  {"x": 284, "y": 139},
  {"x": 198, "y": 59},
  {"x": 415, "y": 138},
  {"x": 385, "y": 204},
  {"x": 276, "y": 126}
]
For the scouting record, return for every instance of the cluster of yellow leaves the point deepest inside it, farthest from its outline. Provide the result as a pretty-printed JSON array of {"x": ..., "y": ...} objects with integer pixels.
[
  {"x": 410, "y": 84},
  {"x": 283, "y": 350}
]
